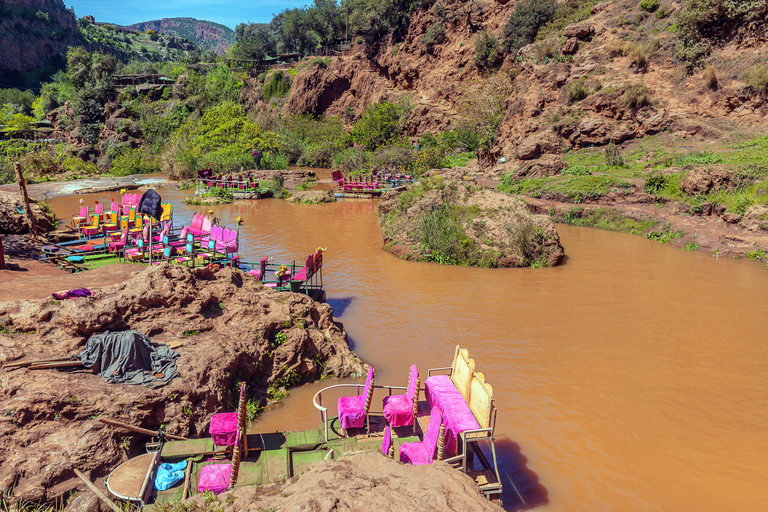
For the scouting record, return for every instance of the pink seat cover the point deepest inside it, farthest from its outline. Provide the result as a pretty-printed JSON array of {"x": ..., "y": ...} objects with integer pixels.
[
  {"x": 442, "y": 394},
  {"x": 255, "y": 273},
  {"x": 352, "y": 408},
  {"x": 398, "y": 409},
  {"x": 223, "y": 428},
  {"x": 423, "y": 452},
  {"x": 386, "y": 443},
  {"x": 214, "y": 478}
]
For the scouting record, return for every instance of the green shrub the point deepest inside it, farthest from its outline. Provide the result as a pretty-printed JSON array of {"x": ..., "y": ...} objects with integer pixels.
[
  {"x": 655, "y": 183},
  {"x": 274, "y": 160},
  {"x": 570, "y": 11},
  {"x": 134, "y": 161},
  {"x": 756, "y": 77},
  {"x": 705, "y": 22},
  {"x": 649, "y": 5},
  {"x": 277, "y": 86},
  {"x": 576, "y": 91},
  {"x": 462, "y": 139},
  {"x": 486, "y": 49},
  {"x": 434, "y": 34},
  {"x": 77, "y": 166},
  {"x": 613, "y": 155},
  {"x": 636, "y": 95},
  {"x": 442, "y": 237},
  {"x": 40, "y": 163},
  {"x": 576, "y": 170},
  {"x": 393, "y": 157},
  {"x": 380, "y": 124},
  {"x": 524, "y": 23},
  {"x": 427, "y": 140},
  {"x": 351, "y": 160}
]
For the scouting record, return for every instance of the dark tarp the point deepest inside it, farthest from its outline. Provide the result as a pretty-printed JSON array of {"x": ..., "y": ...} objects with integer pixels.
[
  {"x": 150, "y": 204},
  {"x": 129, "y": 357}
]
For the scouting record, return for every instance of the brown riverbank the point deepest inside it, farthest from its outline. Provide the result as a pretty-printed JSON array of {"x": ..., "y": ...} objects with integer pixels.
[{"x": 228, "y": 324}]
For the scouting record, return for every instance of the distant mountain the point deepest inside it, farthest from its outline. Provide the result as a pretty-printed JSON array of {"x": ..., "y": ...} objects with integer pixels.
[{"x": 205, "y": 34}]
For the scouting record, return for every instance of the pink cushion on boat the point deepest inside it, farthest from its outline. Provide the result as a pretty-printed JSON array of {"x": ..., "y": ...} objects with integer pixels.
[
  {"x": 423, "y": 452},
  {"x": 85, "y": 248},
  {"x": 116, "y": 246},
  {"x": 398, "y": 410},
  {"x": 255, "y": 273},
  {"x": 223, "y": 428},
  {"x": 197, "y": 221},
  {"x": 442, "y": 394},
  {"x": 214, "y": 478},
  {"x": 183, "y": 234},
  {"x": 352, "y": 408}
]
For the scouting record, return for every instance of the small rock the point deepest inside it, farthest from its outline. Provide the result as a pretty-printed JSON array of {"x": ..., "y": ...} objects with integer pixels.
[
  {"x": 697, "y": 181},
  {"x": 598, "y": 7},
  {"x": 571, "y": 46},
  {"x": 579, "y": 30},
  {"x": 731, "y": 218}
]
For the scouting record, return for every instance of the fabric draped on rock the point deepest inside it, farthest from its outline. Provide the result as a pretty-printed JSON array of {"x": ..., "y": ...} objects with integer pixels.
[{"x": 129, "y": 357}]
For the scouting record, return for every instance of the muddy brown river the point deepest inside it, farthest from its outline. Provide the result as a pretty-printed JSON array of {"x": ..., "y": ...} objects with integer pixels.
[{"x": 632, "y": 377}]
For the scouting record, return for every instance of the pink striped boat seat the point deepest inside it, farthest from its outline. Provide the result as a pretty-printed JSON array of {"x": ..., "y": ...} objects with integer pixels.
[{"x": 442, "y": 394}]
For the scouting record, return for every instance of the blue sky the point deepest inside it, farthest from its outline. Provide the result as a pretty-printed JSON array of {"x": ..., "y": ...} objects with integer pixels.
[{"x": 226, "y": 12}]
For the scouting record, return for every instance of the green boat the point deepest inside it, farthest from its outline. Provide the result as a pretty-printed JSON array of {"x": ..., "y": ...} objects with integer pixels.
[{"x": 262, "y": 458}]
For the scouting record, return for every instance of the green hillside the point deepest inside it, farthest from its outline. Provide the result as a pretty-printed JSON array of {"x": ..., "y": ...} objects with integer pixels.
[{"x": 207, "y": 35}]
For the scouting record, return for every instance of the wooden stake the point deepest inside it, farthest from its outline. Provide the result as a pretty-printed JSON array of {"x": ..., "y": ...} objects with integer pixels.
[
  {"x": 185, "y": 492},
  {"x": 22, "y": 364},
  {"x": 2, "y": 255},
  {"x": 48, "y": 366},
  {"x": 139, "y": 430},
  {"x": 25, "y": 196},
  {"x": 96, "y": 491}
]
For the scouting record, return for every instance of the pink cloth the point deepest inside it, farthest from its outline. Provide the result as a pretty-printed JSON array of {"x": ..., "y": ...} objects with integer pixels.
[
  {"x": 398, "y": 409},
  {"x": 352, "y": 408},
  {"x": 255, "y": 273},
  {"x": 423, "y": 452},
  {"x": 214, "y": 478},
  {"x": 223, "y": 429},
  {"x": 442, "y": 394},
  {"x": 386, "y": 443},
  {"x": 85, "y": 248}
]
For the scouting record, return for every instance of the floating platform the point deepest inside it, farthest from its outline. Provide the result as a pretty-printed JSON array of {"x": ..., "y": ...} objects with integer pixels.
[{"x": 358, "y": 194}]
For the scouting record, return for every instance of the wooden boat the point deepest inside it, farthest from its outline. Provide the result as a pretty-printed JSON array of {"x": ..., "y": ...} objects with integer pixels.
[{"x": 264, "y": 458}]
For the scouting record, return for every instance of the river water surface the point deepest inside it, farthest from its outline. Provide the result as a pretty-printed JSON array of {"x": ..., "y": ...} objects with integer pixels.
[{"x": 632, "y": 377}]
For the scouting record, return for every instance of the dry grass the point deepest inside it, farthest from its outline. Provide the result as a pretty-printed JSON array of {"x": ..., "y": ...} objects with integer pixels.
[
  {"x": 756, "y": 77},
  {"x": 710, "y": 78}
]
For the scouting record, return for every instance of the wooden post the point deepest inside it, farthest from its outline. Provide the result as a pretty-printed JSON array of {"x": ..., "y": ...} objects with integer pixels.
[
  {"x": 25, "y": 196},
  {"x": 96, "y": 491}
]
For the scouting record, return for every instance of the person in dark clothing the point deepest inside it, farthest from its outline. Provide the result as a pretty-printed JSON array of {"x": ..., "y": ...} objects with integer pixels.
[{"x": 257, "y": 158}]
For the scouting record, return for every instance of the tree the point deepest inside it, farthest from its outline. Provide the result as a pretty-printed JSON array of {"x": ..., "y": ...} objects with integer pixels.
[
  {"x": 253, "y": 41},
  {"x": 375, "y": 18},
  {"x": 326, "y": 19},
  {"x": 380, "y": 124}
]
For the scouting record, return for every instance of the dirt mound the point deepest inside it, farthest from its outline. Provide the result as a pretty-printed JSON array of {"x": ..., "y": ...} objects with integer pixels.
[
  {"x": 233, "y": 330},
  {"x": 11, "y": 221},
  {"x": 359, "y": 481},
  {"x": 448, "y": 218},
  {"x": 312, "y": 197}
]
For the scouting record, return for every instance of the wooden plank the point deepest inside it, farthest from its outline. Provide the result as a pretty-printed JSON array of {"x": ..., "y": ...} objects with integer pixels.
[
  {"x": 48, "y": 366},
  {"x": 96, "y": 491},
  {"x": 22, "y": 364},
  {"x": 185, "y": 492}
]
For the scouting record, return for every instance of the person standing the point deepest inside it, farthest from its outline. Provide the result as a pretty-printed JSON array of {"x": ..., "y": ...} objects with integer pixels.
[{"x": 257, "y": 158}]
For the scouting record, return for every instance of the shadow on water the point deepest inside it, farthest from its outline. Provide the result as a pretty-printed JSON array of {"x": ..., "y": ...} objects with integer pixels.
[
  {"x": 521, "y": 487},
  {"x": 340, "y": 305}
]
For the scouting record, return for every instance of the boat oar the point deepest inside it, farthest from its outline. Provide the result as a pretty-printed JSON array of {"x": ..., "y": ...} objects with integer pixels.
[
  {"x": 139, "y": 430},
  {"x": 96, "y": 491}
]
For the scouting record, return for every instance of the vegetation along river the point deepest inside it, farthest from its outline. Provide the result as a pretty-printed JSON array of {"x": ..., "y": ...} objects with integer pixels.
[{"x": 632, "y": 377}]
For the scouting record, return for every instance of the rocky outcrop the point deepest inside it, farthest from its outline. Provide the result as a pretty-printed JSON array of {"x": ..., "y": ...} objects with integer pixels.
[
  {"x": 29, "y": 40},
  {"x": 448, "y": 219},
  {"x": 703, "y": 181},
  {"x": 13, "y": 222},
  {"x": 312, "y": 197},
  {"x": 354, "y": 482},
  {"x": 233, "y": 329}
]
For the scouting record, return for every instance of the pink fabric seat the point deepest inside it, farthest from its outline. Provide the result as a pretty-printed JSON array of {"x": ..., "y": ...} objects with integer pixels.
[
  {"x": 255, "y": 273},
  {"x": 423, "y": 452},
  {"x": 214, "y": 478},
  {"x": 386, "y": 443},
  {"x": 398, "y": 409},
  {"x": 223, "y": 429},
  {"x": 354, "y": 409},
  {"x": 85, "y": 248},
  {"x": 442, "y": 394}
]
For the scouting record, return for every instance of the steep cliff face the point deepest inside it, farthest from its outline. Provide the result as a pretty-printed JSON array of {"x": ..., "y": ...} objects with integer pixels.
[
  {"x": 614, "y": 77},
  {"x": 34, "y": 31},
  {"x": 205, "y": 34}
]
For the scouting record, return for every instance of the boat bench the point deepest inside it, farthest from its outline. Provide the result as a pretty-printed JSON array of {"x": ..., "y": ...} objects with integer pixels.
[{"x": 465, "y": 401}]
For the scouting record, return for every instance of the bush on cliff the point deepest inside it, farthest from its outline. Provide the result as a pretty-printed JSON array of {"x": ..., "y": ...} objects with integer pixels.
[
  {"x": 526, "y": 20},
  {"x": 380, "y": 124}
]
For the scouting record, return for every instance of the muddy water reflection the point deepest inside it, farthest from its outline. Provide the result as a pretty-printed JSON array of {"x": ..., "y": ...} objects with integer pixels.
[{"x": 631, "y": 378}]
